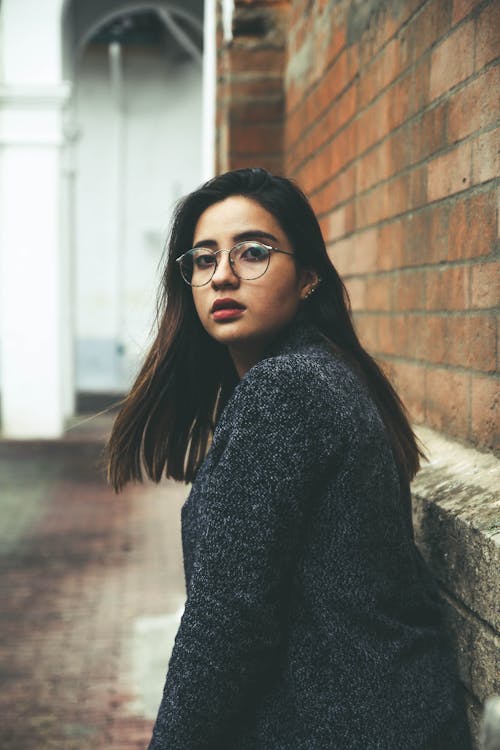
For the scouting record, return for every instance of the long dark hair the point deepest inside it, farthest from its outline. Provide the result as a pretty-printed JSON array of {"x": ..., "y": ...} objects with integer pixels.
[{"x": 167, "y": 420}]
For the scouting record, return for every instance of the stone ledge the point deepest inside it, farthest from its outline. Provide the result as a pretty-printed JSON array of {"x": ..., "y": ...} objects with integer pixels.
[
  {"x": 456, "y": 504},
  {"x": 456, "y": 517},
  {"x": 477, "y": 647}
]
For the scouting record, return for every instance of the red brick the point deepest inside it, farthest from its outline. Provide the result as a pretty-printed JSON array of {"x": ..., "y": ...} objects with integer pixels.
[
  {"x": 256, "y": 111},
  {"x": 452, "y": 61},
  {"x": 475, "y": 106},
  {"x": 261, "y": 87},
  {"x": 373, "y": 123},
  {"x": 447, "y": 401},
  {"x": 485, "y": 399},
  {"x": 339, "y": 223},
  {"x": 342, "y": 255},
  {"x": 417, "y": 191},
  {"x": 472, "y": 226},
  {"x": 356, "y": 288},
  {"x": 414, "y": 243},
  {"x": 429, "y": 25},
  {"x": 378, "y": 296},
  {"x": 488, "y": 35},
  {"x": 498, "y": 215},
  {"x": 334, "y": 81},
  {"x": 418, "y": 92},
  {"x": 255, "y": 139},
  {"x": 341, "y": 151},
  {"x": 486, "y": 157},
  {"x": 485, "y": 284},
  {"x": 345, "y": 106},
  {"x": 353, "y": 62},
  {"x": 369, "y": 207},
  {"x": 399, "y": 150},
  {"x": 433, "y": 339},
  {"x": 244, "y": 59},
  {"x": 337, "y": 29},
  {"x": 448, "y": 288},
  {"x": 471, "y": 342},
  {"x": 367, "y": 330},
  {"x": 366, "y": 251},
  {"x": 399, "y": 335},
  {"x": 410, "y": 291},
  {"x": 429, "y": 132},
  {"x": 355, "y": 254},
  {"x": 336, "y": 191},
  {"x": 295, "y": 123},
  {"x": 383, "y": 201},
  {"x": 398, "y": 195},
  {"x": 390, "y": 246},
  {"x": 450, "y": 173},
  {"x": 380, "y": 72},
  {"x": 409, "y": 381},
  {"x": 462, "y": 8},
  {"x": 373, "y": 167}
]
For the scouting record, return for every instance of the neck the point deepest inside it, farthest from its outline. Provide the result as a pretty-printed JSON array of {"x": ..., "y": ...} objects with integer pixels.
[
  {"x": 245, "y": 358},
  {"x": 247, "y": 354}
]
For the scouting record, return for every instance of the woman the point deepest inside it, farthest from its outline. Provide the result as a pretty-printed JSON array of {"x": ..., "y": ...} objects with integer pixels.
[{"x": 310, "y": 621}]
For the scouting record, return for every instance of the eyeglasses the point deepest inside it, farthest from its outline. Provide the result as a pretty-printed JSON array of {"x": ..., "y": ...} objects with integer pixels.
[{"x": 248, "y": 260}]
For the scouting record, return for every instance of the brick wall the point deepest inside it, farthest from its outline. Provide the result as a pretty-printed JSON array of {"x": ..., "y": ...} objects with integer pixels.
[
  {"x": 387, "y": 113},
  {"x": 251, "y": 95},
  {"x": 392, "y": 127}
]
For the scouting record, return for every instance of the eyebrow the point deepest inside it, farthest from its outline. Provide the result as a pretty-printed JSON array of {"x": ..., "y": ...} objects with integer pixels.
[{"x": 249, "y": 234}]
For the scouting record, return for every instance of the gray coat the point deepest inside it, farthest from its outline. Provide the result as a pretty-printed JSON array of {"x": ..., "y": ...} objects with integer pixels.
[{"x": 310, "y": 621}]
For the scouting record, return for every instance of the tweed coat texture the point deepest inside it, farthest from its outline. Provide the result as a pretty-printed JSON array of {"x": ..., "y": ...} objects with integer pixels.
[{"x": 310, "y": 620}]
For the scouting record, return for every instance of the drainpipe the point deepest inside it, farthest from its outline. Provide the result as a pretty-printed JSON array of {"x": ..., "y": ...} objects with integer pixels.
[{"x": 115, "y": 54}]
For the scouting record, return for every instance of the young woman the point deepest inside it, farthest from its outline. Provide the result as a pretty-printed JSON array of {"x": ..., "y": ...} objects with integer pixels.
[{"x": 310, "y": 621}]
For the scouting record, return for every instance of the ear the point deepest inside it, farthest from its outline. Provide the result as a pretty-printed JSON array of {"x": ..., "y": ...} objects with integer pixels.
[{"x": 308, "y": 280}]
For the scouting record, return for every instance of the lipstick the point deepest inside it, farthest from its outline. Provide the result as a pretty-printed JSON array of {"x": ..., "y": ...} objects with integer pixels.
[{"x": 226, "y": 308}]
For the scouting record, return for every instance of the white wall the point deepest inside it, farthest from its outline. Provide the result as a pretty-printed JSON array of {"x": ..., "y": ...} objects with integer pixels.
[{"x": 132, "y": 165}]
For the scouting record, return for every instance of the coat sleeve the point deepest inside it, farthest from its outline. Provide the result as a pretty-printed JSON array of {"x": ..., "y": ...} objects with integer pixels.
[{"x": 281, "y": 443}]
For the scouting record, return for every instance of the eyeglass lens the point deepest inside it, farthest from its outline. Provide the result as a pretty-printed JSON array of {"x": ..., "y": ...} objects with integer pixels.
[{"x": 249, "y": 260}]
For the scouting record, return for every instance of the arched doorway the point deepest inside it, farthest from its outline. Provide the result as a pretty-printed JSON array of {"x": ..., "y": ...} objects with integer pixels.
[{"x": 136, "y": 115}]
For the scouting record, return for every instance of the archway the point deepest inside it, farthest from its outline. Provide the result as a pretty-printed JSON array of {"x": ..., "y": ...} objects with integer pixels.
[{"x": 135, "y": 118}]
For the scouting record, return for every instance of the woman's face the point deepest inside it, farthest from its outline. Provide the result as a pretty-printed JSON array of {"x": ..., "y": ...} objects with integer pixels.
[{"x": 263, "y": 306}]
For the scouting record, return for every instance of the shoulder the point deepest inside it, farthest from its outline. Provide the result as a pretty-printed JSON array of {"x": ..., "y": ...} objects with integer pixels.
[
  {"x": 284, "y": 406},
  {"x": 311, "y": 386},
  {"x": 314, "y": 374}
]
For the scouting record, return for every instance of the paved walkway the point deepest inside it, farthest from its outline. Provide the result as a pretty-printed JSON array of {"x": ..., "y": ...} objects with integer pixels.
[{"x": 91, "y": 592}]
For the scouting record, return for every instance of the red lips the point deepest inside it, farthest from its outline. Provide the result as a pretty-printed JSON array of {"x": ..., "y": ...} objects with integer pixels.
[{"x": 226, "y": 303}]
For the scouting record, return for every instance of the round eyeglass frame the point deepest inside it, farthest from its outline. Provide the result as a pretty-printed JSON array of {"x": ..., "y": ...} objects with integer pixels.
[{"x": 269, "y": 248}]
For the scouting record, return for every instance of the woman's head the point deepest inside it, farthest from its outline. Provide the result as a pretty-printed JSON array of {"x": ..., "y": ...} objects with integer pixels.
[
  {"x": 167, "y": 420},
  {"x": 250, "y": 204}
]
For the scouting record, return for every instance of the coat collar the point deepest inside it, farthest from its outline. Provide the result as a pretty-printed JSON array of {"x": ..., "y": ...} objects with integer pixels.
[{"x": 300, "y": 333}]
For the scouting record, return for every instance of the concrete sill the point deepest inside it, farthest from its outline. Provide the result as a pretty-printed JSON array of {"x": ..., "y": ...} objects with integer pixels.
[{"x": 456, "y": 505}]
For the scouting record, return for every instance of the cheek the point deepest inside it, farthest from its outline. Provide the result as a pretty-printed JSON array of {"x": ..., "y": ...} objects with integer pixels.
[
  {"x": 281, "y": 292},
  {"x": 198, "y": 298}
]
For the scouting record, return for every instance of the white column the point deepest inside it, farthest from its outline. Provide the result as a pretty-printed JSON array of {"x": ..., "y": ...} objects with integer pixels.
[
  {"x": 33, "y": 307},
  {"x": 31, "y": 291}
]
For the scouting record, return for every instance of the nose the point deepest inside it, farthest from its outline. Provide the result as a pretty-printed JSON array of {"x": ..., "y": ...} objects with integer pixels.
[{"x": 224, "y": 274}]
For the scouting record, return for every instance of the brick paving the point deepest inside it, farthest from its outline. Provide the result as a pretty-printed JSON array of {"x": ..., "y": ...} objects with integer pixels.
[{"x": 80, "y": 570}]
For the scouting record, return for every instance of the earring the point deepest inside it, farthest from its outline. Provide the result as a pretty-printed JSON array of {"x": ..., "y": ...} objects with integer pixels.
[{"x": 312, "y": 289}]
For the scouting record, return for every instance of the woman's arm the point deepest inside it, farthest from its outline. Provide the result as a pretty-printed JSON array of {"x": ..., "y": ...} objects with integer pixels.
[{"x": 281, "y": 442}]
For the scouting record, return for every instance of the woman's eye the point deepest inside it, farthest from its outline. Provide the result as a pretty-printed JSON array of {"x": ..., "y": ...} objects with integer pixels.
[
  {"x": 204, "y": 261},
  {"x": 254, "y": 253}
]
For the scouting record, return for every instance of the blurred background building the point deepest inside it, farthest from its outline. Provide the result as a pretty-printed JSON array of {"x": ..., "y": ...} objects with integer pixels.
[{"x": 101, "y": 112}]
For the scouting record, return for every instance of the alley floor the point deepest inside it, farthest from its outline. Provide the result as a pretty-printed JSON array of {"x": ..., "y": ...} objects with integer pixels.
[{"x": 91, "y": 592}]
